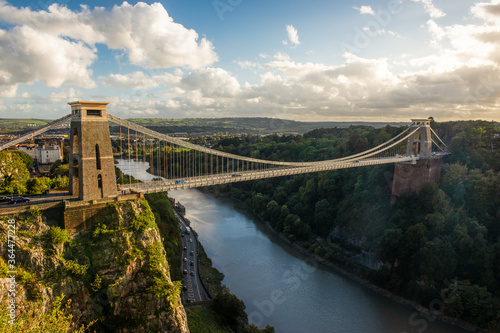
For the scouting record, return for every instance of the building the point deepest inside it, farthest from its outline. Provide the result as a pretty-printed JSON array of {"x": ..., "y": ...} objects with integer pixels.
[
  {"x": 48, "y": 154},
  {"x": 29, "y": 148}
]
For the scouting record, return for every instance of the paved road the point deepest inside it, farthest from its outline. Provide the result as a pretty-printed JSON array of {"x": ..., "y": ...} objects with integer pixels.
[
  {"x": 38, "y": 199},
  {"x": 192, "y": 288}
]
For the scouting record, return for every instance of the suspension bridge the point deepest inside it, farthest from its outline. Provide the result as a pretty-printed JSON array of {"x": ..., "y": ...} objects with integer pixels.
[{"x": 179, "y": 164}]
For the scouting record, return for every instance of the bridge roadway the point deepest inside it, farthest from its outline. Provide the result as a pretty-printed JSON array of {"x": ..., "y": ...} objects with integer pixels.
[{"x": 225, "y": 178}]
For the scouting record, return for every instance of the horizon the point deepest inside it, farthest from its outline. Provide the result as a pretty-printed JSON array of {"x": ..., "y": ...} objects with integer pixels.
[{"x": 386, "y": 61}]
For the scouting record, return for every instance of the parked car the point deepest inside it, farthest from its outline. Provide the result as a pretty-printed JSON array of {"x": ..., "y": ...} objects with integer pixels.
[{"x": 4, "y": 199}]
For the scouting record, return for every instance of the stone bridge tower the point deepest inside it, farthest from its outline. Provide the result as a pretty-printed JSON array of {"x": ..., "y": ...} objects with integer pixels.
[
  {"x": 411, "y": 177},
  {"x": 91, "y": 163}
]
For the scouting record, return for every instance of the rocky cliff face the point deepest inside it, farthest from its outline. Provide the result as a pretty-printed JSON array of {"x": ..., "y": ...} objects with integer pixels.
[{"x": 116, "y": 274}]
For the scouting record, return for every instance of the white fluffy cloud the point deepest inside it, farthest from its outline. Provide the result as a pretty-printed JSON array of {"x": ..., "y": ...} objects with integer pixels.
[
  {"x": 293, "y": 36},
  {"x": 28, "y": 55},
  {"x": 431, "y": 9},
  {"x": 365, "y": 10},
  {"x": 58, "y": 45}
]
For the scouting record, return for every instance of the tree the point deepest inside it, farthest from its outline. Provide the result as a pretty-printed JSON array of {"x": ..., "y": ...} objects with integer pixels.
[
  {"x": 37, "y": 185},
  {"x": 13, "y": 172},
  {"x": 27, "y": 159},
  {"x": 230, "y": 310},
  {"x": 323, "y": 219},
  {"x": 62, "y": 170}
]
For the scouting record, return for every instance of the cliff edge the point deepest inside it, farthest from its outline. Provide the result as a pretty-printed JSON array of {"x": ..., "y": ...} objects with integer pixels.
[{"x": 116, "y": 274}]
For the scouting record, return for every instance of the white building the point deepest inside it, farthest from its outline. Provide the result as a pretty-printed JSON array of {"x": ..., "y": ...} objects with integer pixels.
[
  {"x": 29, "y": 149},
  {"x": 48, "y": 154}
]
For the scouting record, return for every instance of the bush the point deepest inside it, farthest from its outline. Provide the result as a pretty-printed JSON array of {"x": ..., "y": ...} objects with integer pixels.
[
  {"x": 31, "y": 319},
  {"x": 75, "y": 269},
  {"x": 58, "y": 236}
]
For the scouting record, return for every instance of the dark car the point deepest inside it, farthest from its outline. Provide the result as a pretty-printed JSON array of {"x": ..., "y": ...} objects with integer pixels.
[
  {"x": 19, "y": 200},
  {"x": 185, "y": 271},
  {"x": 191, "y": 253},
  {"x": 191, "y": 263},
  {"x": 192, "y": 273},
  {"x": 4, "y": 199},
  {"x": 185, "y": 248},
  {"x": 185, "y": 288}
]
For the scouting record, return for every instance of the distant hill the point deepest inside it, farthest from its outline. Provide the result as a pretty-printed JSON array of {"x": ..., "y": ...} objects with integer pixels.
[
  {"x": 250, "y": 125},
  {"x": 257, "y": 125}
]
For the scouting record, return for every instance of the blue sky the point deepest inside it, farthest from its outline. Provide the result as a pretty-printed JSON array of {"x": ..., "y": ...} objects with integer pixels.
[{"x": 303, "y": 60}]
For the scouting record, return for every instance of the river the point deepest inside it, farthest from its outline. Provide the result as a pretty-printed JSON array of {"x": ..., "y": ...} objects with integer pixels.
[{"x": 281, "y": 287}]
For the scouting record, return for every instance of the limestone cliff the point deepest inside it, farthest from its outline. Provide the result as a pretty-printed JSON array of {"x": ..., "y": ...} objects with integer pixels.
[{"x": 116, "y": 273}]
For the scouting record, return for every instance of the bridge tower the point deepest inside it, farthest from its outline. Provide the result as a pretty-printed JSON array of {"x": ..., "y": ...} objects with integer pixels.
[
  {"x": 420, "y": 144},
  {"x": 91, "y": 163},
  {"x": 411, "y": 177}
]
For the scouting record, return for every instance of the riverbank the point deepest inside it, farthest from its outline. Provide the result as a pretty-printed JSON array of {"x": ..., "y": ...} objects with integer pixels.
[{"x": 419, "y": 319}]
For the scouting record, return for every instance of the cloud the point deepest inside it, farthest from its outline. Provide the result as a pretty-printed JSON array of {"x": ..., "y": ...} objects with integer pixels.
[
  {"x": 365, "y": 10},
  {"x": 145, "y": 33},
  {"x": 458, "y": 79},
  {"x": 293, "y": 36},
  {"x": 28, "y": 55},
  {"x": 431, "y": 9},
  {"x": 487, "y": 11},
  {"x": 139, "y": 80}
]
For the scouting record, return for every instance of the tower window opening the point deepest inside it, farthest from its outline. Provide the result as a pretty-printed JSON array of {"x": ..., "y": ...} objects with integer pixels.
[
  {"x": 94, "y": 113},
  {"x": 99, "y": 181},
  {"x": 97, "y": 157}
]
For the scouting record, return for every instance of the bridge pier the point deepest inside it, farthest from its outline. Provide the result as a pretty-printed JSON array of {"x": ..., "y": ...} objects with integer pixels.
[{"x": 409, "y": 177}]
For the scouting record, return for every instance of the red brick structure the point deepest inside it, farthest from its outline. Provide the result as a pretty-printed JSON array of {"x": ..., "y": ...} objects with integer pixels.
[{"x": 410, "y": 177}]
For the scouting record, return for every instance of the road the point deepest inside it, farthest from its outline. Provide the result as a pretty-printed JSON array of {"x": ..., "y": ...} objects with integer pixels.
[
  {"x": 38, "y": 199},
  {"x": 192, "y": 288}
]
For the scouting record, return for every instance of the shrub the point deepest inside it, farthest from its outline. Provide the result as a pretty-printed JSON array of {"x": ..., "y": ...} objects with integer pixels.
[
  {"x": 58, "y": 236},
  {"x": 74, "y": 268}
]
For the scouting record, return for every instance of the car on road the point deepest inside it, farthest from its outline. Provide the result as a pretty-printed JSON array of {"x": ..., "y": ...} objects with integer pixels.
[
  {"x": 15, "y": 200},
  {"x": 185, "y": 248},
  {"x": 191, "y": 253},
  {"x": 192, "y": 273},
  {"x": 185, "y": 259},
  {"x": 185, "y": 288},
  {"x": 191, "y": 263},
  {"x": 235, "y": 175},
  {"x": 4, "y": 199},
  {"x": 185, "y": 271},
  {"x": 180, "y": 181},
  {"x": 190, "y": 240}
]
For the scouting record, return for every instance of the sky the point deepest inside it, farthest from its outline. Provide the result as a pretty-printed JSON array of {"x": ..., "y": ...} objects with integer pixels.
[{"x": 316, "y": 60}]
